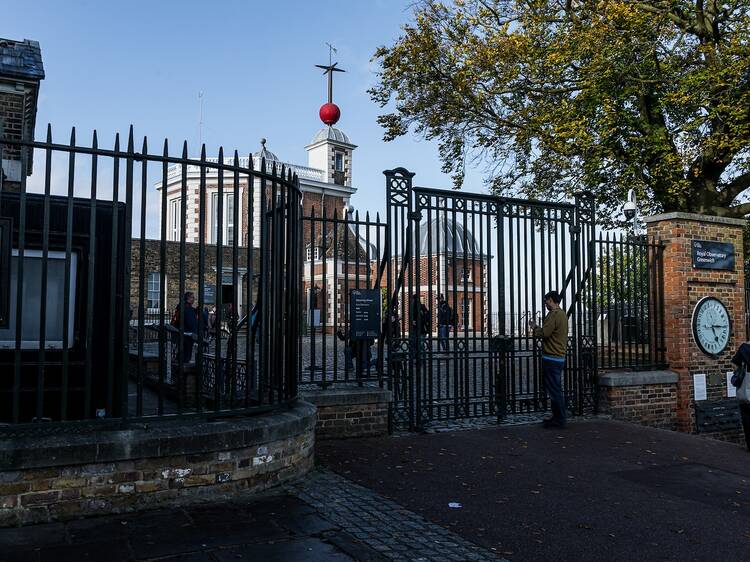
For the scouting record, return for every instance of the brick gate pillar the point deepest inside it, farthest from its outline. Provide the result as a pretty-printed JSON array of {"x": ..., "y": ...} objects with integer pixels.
[{"x": 685, "y": 285}]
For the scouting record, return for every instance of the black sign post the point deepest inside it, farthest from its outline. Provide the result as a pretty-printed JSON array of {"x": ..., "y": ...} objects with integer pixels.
[
  {"x": 713, "y": 255},
  {"x": 364, "y": 313}
]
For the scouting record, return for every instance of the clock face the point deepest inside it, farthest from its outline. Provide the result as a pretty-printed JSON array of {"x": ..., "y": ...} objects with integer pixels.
[{"x": 711, "y": 326}]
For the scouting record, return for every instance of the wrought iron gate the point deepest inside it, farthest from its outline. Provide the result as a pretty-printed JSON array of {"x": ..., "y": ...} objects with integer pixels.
[{"x": 466, "y": 272}]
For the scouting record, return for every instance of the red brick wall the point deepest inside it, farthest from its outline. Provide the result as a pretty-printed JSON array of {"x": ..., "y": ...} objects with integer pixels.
[
  {"x": 683, "y": 288},
  {"x": 11, "y": 118},
  {"x": 654, "y": 405}
]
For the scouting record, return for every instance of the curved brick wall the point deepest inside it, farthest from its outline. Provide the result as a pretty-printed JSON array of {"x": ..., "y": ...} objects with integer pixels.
[{"x": 59, "y": 477}]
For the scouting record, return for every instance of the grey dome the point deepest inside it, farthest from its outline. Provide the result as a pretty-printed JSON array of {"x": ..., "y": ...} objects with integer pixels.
[
  {"x": 442, "y": 235},
  {"x": 265, "y": 153},
  {"x": 331, "y": 134}
]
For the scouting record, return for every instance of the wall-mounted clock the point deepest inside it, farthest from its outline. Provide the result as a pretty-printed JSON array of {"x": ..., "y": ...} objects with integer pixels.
[{"x": 711, "y": 325}]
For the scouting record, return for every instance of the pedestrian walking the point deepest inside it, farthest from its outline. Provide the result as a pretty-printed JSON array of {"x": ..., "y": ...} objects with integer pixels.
[
  {"x": 445, "y": 321},
  {"x": 554, "y": 335}
]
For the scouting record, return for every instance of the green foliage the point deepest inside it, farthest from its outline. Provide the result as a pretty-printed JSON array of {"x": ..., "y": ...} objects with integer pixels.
[
  {"x": 556, "y": 96},
  {"x": 623, "y": 276}
]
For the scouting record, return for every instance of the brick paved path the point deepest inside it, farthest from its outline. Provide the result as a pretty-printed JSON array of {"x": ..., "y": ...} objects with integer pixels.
[{"x": 384, "y": 525}]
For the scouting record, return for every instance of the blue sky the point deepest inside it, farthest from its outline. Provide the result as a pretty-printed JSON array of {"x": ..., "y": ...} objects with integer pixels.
[{"x": 110, "y": 64}]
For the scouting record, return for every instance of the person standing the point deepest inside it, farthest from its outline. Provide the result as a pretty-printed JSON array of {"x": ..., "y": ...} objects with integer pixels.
[
  {"x": 426, "y": 327},
  {"x": 445, "y": 320},
  {"x": 190, "y": 325},
  {"x": 554, "y": 334}
]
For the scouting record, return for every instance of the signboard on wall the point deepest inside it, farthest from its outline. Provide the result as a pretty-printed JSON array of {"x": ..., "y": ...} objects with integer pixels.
[
  {"x": 713, "y": 255},
  {"x": 209, "y": 294},
  {"x": 364, "y": 313}
]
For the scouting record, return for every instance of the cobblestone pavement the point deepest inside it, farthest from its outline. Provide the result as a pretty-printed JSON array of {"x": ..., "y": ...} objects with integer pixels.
[
  {"x": 467, "y": 424},
  {"x": 383, "y": 525}
]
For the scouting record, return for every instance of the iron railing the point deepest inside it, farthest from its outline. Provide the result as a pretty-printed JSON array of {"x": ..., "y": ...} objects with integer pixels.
[
  {"x": 92, "y": 246},
  {"x": 630, "y": 303},
  {"x": 341, "y": 254}
]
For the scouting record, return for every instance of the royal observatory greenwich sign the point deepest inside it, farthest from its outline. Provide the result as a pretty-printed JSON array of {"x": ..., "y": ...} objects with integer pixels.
[{"x": 713, "y": 255}]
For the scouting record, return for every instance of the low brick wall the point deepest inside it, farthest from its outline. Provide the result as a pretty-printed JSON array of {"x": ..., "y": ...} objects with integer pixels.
[
  {"x": 350, "y": 412},
  {"x": 646, "y": 398},
  {"x": 169, "y": 463}
]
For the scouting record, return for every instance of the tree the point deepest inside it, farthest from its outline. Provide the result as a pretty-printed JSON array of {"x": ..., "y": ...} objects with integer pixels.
[{"x": 557, "y": 96}]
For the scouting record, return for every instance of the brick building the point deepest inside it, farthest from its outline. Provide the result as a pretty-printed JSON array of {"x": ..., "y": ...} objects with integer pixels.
[
  {"x": 326, "y": 186},
  {"x": 450, "y": 264},
  {"x": 21, "y": 70}
]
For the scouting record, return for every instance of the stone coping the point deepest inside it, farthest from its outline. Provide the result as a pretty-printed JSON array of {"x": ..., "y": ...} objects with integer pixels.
[
  {"x": 159, "y": 439},
  {"x": 347, "y": 396},
  {"x": 637, "y": 378},
  {"x": 695, "y": 217}
]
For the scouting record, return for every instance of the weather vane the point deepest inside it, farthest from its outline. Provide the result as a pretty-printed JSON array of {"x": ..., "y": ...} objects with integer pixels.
[{"x": 329, "y": 112}]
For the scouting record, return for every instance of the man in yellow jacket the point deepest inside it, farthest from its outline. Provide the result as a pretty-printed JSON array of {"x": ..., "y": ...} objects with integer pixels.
[{"x": 554, "y": 333}]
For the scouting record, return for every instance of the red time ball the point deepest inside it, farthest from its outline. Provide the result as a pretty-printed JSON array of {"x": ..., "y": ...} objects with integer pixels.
[{"x": 329, "y": 113}]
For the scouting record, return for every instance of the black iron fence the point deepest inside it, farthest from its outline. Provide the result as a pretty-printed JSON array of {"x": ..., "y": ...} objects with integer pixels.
[
  {"x": 135, "y": 285},
  {"x": 343, "y": 260},
  {"x": 630, "y": 303}
]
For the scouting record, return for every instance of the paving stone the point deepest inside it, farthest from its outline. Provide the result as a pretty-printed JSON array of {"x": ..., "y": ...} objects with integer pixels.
[
  {"x": 395, "y": 532},
  {"x": 304, "y": 550},
  {"x": 42, "y": 535},
  {"x": 100, "y": 551},
  {"x": 193, "y": 557}
]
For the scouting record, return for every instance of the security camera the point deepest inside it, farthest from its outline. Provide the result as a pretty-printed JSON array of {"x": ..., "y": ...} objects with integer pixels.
[{"x": 629, "y": 208}]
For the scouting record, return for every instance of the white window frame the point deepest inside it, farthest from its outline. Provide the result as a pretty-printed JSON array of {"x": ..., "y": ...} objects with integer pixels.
[
  {"x": 338, "y": 161},
  {"x": 227, "y": 223},
  {"x": 8, "y": 336},
  {"x": 150, "y": 290},
  {"x": 173, "y": 219},
  {"x": 316, "y": 251}
]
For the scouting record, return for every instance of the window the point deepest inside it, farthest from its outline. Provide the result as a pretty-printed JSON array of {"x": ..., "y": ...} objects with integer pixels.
[
  {"x": 314, "y": 253},
  {"x": 227, "y": 223},
  {"x": 338, "y": 162},
  {"x": 173, "y": 221},
  {"x": 31, "y": 291},
  {"x": 229, "y": 220},
  {"x": 466, "y": 275},
  {"x": 152, "y": 291}
]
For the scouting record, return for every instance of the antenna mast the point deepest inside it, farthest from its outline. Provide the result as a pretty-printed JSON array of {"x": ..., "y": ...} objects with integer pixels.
[{"x": 200, "y": 119}]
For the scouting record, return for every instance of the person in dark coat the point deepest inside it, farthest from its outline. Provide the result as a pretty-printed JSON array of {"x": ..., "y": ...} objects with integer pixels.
[
  {"x": 356, "y": 348},
  {"x": 742, "y": 360},
  {"x": 445, "y": 321},
  {"x": 190, "y": 325}
]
